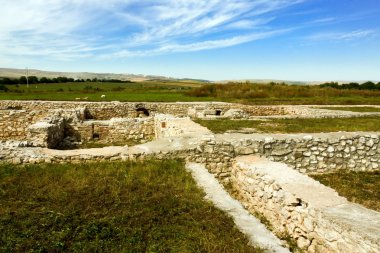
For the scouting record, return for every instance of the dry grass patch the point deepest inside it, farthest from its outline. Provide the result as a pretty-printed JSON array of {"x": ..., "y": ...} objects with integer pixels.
[
  {"x": 296, "y": 125},
  {"x": 359, "y": 187},
  {"x": 280, "y": 94}
]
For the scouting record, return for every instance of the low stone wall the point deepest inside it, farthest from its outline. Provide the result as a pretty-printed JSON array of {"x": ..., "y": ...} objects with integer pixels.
[
  {"x": 14, "y": 123},
  {"x": 116, "y": 130},
  {"x": 168, "y": 126},
  {"x": 108, "y": 110},
  {"x": 23, "y": 152},
  {"x": 317, "y": 153},
  {"x": 268, "y": 110},
  {"x": 297, "y": 206},
  {"x": 217, "y": 157}
]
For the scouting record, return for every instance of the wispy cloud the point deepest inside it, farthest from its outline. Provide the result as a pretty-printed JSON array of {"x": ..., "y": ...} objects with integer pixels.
[
  {"x": 68, "y": 29},
  {"x": 342, "y": 36},
  {"x": 197, "y": 46},
  {"x": 323, "y": 20}
]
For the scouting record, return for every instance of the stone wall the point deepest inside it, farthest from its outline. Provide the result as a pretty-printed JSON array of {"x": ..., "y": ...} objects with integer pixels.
[
  {"x": 296, "y": 206},
  {"x": 46, "y": 134},
  {"x": 23, "y": 152},
  {"x": 168, "y": 126},
  {"x": 268, "y": 110},
  {"x": 296, "y": 151},
  {"x": 116, "y": 130},
  {"x": 217, "y": 157},
  {"x": 14, "y": 123},
  {"x": 108, "y": 110},
  {"x": 51, "y": 130},
  {"x": 318, "y": 153}
]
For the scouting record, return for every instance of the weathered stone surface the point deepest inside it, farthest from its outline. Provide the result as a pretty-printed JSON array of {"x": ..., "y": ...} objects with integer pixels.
[
  {"x": 317, "y": 156},
  {"x": 244, "y": 151},
  {"x": 280, "y": 151},
  {"x": 315, "y": 216}
]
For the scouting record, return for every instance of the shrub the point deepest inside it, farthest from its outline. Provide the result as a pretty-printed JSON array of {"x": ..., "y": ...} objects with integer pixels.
[{"x": 3, "y": 88}]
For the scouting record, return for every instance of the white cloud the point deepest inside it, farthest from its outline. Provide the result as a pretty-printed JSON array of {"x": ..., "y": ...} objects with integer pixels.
[
  {"x": 197, "y": 46},
  {"x": 248, "y": 24},
  {"x": 68, "y": 29},
  {"x": 345, "y": 36},
  {"x": 324, "y": 20}
]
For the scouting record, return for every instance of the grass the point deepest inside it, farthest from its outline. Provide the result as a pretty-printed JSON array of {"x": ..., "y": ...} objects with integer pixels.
[
  {"x": 296, "y": 125},
  {"x": 359, "y": 187},
  {"x": 353, "y": 109},
  {"x": 144, "y": 91},
  {"x": 151, "y": 206},
  {"x": 189, "y": 91},
  {"x": 251, "y": 93}
]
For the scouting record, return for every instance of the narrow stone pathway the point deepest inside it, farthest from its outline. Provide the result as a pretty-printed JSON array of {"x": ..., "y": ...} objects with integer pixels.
[{"x": 257, "y": 233}]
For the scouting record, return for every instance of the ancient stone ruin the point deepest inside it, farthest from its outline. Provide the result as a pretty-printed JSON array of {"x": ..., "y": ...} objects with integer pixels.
[{"x": 267, "y": 173}]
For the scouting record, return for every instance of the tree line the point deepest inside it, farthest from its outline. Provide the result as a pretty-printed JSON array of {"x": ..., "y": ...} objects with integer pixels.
[
  {"x": 61, "y": 79},
  {"x": 352, "y": 86}
]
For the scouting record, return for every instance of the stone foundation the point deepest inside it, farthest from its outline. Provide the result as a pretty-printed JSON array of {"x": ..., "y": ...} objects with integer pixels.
[
  {"x": 108, "y": 110},
  {"x": 45, "y": 134},
  {"x": 14, "y": 123},
  {"x": 317, "y": 153},
  {"x": 315, "y": 216},
  {"x": 116, "y": 130},
  {"x": 168, "y": 126}
]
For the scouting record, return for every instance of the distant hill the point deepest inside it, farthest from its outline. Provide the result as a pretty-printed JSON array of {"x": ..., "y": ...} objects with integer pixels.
[{"x": 16, "y": 73}]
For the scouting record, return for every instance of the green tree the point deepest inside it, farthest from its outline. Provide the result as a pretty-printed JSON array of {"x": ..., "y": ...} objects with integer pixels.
[
  {"x": 3, "y": 87},
  {"x": 33, "y": 79},
  {"x": 368, "y": 86},
  {"x": 22, "y": 80},
  {"x": 45, "y": 80}
]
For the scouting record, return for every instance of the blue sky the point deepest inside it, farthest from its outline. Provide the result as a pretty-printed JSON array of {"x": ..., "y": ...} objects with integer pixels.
[{"x": 310, "y": 40}]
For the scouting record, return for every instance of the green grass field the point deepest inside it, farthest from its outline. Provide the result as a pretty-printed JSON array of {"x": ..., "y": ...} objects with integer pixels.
[
  {"x": 173, "y": 91},
  {"x": 151, "y": 206},
  {"x": 144, "y": 91},
  {"x": 359, "y": 187},
  {"x": 295, "y": 125}
]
